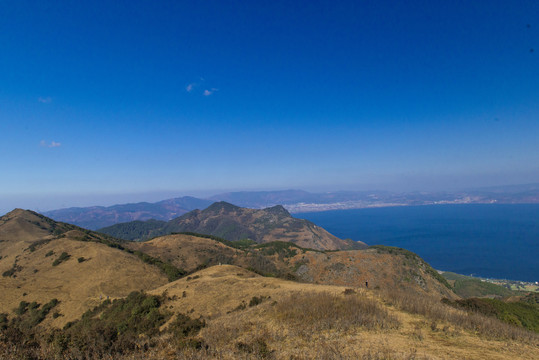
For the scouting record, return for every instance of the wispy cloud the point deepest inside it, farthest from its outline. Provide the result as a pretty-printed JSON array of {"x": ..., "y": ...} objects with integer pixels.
[
  {"x": 44, "y": 100},
  {"x": 196, "y": 87},
  {"x": 52, "y": 144},
  {"x": 209, "y": 92}
]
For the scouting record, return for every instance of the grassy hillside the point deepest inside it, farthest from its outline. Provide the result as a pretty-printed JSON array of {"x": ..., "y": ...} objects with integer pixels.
[
  {"x": 227, "y": 312},
  {"x": 467, "y": 286},
  {"x": 519, "y": 313},
  {"x": 379, "y": 267},
  {"x": 41, "y": 260}
]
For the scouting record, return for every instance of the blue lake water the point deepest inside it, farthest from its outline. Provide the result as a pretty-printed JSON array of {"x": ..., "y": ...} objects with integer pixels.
[{"x": 489, "y": 240}]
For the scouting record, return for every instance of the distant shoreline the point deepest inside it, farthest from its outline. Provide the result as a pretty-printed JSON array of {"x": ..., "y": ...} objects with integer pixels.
[
  {"x": 502, "y": 282},
  {"x": 353, "y": 205}
]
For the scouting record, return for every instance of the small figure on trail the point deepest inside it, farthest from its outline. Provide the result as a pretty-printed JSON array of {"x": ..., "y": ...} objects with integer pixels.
[{"x": 367, "y": 284}]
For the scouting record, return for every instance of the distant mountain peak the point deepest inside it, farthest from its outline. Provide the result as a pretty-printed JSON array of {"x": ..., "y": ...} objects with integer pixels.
[
  {"x": 221, "y": 206},
  {"x": 20, "y": 224},
  {"x": 26, "y": 215},
  {"x": 278, "y": 210},
  {"x": 18, "y": 212}
]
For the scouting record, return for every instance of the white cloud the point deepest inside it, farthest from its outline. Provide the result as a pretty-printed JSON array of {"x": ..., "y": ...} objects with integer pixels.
[
  {"x": 209, "y": 92},
  {"x": 44, "y": 100},
  {"x": 190, "y": 87},
  {"x": 52, "y": 144}
]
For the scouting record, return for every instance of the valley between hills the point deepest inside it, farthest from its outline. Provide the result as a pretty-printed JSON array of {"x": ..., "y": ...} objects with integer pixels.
[{"x": 235, "y": 283}]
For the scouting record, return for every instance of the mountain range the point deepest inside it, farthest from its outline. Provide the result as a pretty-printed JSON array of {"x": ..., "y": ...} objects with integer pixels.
[
  {"x": 295, "y": 201},
  {"x": 235, "y": 223},
  {"x": 96, "y": 217}
]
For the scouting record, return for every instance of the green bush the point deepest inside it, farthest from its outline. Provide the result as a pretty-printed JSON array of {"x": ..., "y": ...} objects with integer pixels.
[
  {"x": 63, "y": 257},
  {"x": 116, "y": 327},
  {"x": 515, "y": 313},
  {"x": 23, "y": 307},
  {"x": 11, "y": 272},
  {"x": 172, "y": 272},
  {"x": 184, "y": 326},
  {"x": 30, "y": 314},
  {"x": 256, "y": 300},
  {"x": 3, "y": 321}
]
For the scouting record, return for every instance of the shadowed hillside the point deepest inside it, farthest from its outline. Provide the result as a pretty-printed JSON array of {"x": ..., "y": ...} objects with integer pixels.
[
  {"x": 381, "y": 267},
  {"x": 235, "y": 223}
]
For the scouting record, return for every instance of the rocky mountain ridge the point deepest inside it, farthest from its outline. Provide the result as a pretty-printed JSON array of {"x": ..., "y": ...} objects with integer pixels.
[{"x": 234, "y": 223}]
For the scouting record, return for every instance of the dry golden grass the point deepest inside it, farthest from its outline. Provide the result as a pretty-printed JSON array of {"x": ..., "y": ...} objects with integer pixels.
[
  {"x": 105, "y": 272},
  {"x": 316, "y": 312},
  {"x": 185, "y": 251},
  {"x": 436, "y": 311},
  {"x": 20, "y": 225},
  {"x": 306, "y": 321},
  {"x": 219, "y": 290},
  {"x": 346, "y": 268},
  {"x": 356, "y": 267}
]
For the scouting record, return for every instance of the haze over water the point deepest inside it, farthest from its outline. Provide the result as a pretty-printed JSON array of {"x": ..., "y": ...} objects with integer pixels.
[{"x": 497, "y": 241}]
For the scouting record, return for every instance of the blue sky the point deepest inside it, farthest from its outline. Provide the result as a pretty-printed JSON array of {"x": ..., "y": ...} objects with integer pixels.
[{"x": 104, "y": 102}]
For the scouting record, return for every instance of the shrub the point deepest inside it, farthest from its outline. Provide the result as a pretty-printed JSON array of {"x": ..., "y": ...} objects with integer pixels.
[
  {"x": 3, "y": 321},
  {"x": 23, "y": 307},
  {"x": 11, "y": 272},
  {"x": 184, "y": 326},
  {"x": 256, "y": 347},
  {"x": 37, "y": 244},
  {"x": 30, "y": 315},
  {"x": 116, "y": 328},
  {"x": 172, "y": 272},
  {"x": 63, "y": 257},
  {"x": 256, "y": 300}
]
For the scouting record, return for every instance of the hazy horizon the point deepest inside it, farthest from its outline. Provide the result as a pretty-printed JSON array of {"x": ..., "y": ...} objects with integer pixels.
[{"x": 47, "y": 202}]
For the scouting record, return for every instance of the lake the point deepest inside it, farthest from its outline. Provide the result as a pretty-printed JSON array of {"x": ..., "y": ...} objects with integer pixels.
[{"x": 488, "y": 240}]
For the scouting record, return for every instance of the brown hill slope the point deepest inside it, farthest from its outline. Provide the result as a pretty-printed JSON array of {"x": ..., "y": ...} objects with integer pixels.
[
  {"x": 249, "y": 316},
  {"x": 34, "y": 268},
  {"x": 188, "y": 252},
  {"x": 381, "y": 267},
  {"x": 227, "y": 312},
  {"x": 235, "y": 223}
]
